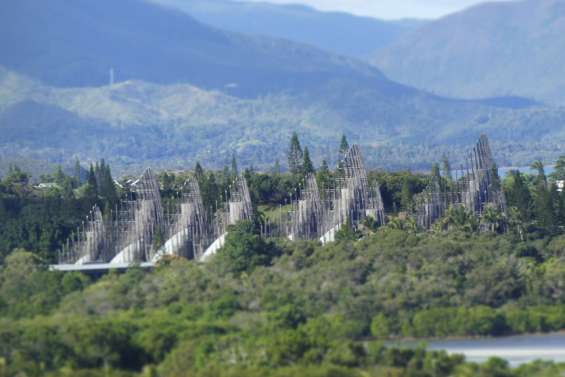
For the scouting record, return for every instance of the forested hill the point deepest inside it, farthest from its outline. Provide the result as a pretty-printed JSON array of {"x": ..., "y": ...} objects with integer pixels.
[
  {"x": 185, "y": 91},
  {"x": 148, "y": 42},
  {"x": 136, "y": 124},
  {"x": 502, "y": 48},
  {"x": 340, "y": 33}
]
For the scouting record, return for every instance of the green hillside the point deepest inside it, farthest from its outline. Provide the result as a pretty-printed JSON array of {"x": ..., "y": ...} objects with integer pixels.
[
  {"x": 501, "y": 48},
  {"x": 337, "y": 32},
  {"x": 186, "y": 91},
  {"x": 133, "y": 124},
  {"x": 69, "y": 44}
]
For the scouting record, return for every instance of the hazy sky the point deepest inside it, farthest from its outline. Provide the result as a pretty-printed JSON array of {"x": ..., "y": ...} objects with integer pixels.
[{"x": 389, "y": 9}]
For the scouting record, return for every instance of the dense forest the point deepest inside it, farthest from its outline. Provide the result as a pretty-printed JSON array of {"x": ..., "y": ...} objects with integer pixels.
[
  {"x": 286, "y": 309},
  {"x": 266, "y": 307}
]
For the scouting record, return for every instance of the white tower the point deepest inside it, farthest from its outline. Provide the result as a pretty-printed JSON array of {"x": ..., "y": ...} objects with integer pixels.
[{"x": 111, "y": 76}]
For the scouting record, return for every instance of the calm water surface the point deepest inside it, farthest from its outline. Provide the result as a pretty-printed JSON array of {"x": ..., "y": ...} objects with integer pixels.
[
  {"x": 504, "y": 171},
  {"x": 516, "y": 349}
]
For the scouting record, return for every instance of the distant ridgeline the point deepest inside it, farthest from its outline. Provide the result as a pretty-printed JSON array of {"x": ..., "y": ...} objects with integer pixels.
[{"x": 140, "y": 229}]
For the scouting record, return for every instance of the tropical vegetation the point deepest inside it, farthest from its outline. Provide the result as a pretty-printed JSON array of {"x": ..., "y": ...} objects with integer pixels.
[{"x": 275, "y": 307}]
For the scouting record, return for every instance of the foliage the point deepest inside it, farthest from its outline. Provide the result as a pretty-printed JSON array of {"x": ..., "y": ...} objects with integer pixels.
[
  {"x": 41, "y": 219},
  {"x": 263, "y": 309},
  {"x": 307, "y": 165},
  {"x": 397, "y": 189},
  {"x": 295, "y": 155},
  {"x": 41, "y": 224},
  {"x": 458, "y": 218},
  {"x": 245, "y": 250}
]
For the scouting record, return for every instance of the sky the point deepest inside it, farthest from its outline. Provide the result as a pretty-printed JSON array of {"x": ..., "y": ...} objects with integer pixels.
[{"x": 388, "y": 9}]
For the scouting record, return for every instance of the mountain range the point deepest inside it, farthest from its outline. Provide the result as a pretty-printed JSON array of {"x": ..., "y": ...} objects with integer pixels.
[
  {"x": 187, "y": 91},
  {"x": 70, "y": 44},
  {"x": 337, "y": 32},
  {"x": 493, "y": 49}
]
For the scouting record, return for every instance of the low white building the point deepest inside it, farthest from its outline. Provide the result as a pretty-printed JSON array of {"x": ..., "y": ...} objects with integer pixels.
[{"x": 47, "y": 185}]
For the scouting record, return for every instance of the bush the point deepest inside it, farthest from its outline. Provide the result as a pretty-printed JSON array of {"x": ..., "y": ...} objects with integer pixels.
[
  {"x": 245, "y": 250},
  {"x": 380, "y": 326}
]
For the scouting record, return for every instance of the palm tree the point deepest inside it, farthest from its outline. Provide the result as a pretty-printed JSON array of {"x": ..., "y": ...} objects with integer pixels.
[
  {"x": 411, "y": 224},
  {"x": 395, "y": 223},
  {"x": 458, "y": 218},
  {"x": 559, "y": 173},
  {"x": 492, "y": 218},
  {"x": 540, "y": 168},
  {"x": 515, "y": 222}
]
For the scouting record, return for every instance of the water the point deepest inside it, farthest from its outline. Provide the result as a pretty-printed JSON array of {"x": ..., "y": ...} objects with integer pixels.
[
  {"x": 503, "y": 172},
  {"x": 516, "y": 350}
]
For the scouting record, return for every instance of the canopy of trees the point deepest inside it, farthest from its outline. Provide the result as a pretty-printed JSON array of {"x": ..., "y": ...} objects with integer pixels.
[
  {"x": 274, "y": 307},
  {"x": 285, "y": 308}
]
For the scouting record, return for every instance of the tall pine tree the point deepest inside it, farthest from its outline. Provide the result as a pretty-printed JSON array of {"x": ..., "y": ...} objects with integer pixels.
[
  {"x": 198, "y": 172},
  {"x": 559, "y": 173},
  {"x": 518, "y": 196},
  {"x": 91, "y": 186},
  {"x": 446, "y": 167},
  {"x": 539, "y": 167},
  {"x": 323, "y": 177},
  {"x": 277, "y": 168},
  {"x": 210, "y": 191},
  {"x": 543, "y": 198},
  {"x": 234, "y": 170},
  {"x": 59, "y": 176},
  {"x": 226, "y": 179},
  {"x": 77, "y": 173},
  {"x": 343, "y": 149},
  {"x": 406, "y": 195},
  {"x": 435, "y": 171},
  {"x": 307, "y": 165},
  {"x": 561, "y": 208},
  {"x": 343, "y": 146},
  {"x": 295, "y": 155}
]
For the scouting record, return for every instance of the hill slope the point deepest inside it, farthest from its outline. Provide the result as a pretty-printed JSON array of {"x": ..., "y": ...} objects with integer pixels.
[
  {"x": 174, "y": 108},
  {"x": 340, "y": 33},
  {"x": 76, "y": 43},
  {"x": 135, "y": 123},
  {"x": 490, "y": 50}
]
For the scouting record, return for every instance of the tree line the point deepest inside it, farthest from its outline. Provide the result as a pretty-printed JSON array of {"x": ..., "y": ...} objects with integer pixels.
[
  {"x": 272, "y": 307},
  {"x": 41, "y": 219}
]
